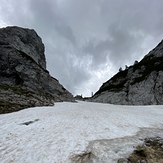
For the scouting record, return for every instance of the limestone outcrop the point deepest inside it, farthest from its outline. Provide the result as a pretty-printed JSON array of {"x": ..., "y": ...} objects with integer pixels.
[
  {"x": 139, "y": 84},
  {"x": 24, "y": 80}
]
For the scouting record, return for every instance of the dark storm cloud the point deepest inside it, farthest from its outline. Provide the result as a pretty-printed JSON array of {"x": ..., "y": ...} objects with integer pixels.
[
  {"x": 129, "y": 24},
  {"x": 84, "y": 38},
  {"x": 47, "y": 13}
]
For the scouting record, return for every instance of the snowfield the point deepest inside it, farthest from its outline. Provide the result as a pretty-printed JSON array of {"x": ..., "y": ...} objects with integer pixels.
[{"x": 76, "y": 132}]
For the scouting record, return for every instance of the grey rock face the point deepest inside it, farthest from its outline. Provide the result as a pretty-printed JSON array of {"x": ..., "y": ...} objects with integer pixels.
[
  {"x": 26, "y": 41},
  {"x": 140, "y": 84},
  {"x": 24, "y": 80}
]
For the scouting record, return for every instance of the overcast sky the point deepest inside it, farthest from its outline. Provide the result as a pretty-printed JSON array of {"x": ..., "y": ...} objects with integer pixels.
[{"x": 87, "y": 41}]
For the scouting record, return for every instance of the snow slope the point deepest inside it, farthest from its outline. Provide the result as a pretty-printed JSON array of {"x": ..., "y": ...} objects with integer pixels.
[{"x": 61, "y": 133}]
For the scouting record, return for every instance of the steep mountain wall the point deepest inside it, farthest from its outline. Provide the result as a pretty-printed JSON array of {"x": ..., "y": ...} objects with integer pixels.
[
  {"x": 24, "y": 80},
  {"x": 140, "y": 84}
]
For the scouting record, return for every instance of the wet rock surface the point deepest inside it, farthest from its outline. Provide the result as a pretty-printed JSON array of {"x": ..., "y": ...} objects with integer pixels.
[{"x": 24, "y": 80}]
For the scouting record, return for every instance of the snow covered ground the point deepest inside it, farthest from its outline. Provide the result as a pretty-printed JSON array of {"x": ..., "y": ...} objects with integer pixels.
[{"x": 68, "y": 132}]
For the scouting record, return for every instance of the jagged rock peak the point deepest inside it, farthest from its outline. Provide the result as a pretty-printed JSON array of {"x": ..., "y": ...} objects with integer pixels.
[
  {"x": 24, "y": 80},
  {"x": 139, "y": 84},
  {"x": 25, "y": 40},
  {"x": 157, "y": 51}
]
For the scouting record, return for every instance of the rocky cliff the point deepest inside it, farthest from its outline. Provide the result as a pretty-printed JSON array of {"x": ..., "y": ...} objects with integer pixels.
[
  {"x": 24, "y": 80},
  {"x": 140, "y": 84}
]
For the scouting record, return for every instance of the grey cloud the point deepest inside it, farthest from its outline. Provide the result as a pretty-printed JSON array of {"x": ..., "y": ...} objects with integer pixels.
[
  {"x": 118, "y": 47},
  {"x": 129, "y": 24},
  {"x": 123, "y": 45},
  {"x": 66, "y": 31},
  {"x": 137, "y": 15},
  {"x": 39, "y": 14},
  {"x": 98, "y": 52},
  {"x": 68, "y": 70},
  {"x": 82, "y": 36},
  {"x": 14, "y": 12},
  {"x": 47, "y": 14}
]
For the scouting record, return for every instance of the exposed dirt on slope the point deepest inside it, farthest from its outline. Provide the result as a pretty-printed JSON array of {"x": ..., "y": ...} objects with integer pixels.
[
  {"x": 149, "y": 152},
  {"x": 147, "y": 147}
]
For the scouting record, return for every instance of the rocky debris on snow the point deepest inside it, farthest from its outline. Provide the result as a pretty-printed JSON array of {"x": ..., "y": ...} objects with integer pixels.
[
  {"x": 144, "y": 147},
  {"x": 24, "y": 80},
  {"x": 139, "y": 84},
  {"x": 81, "y": 158},
  {"x": 29, "y": 122},
  {"x": 151, "y": 151}
]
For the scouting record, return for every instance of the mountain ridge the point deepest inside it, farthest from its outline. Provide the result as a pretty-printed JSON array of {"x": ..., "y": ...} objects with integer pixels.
[{"x": 125, "y": 86}]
